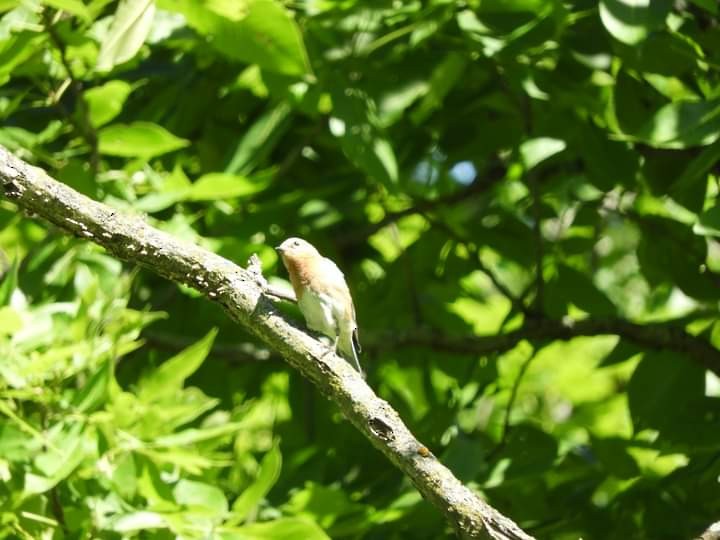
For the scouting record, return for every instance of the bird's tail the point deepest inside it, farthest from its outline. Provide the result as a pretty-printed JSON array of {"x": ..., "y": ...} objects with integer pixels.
[{"x": 349, "y": 348}]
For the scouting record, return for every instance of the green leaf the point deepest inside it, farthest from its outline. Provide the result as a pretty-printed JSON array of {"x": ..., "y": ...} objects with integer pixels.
[
  {"x": 10, "y": 320},
  {"x": 74, "y": 7},
  {"x": 529, "y": 451},
  {"x": 683, "y": 124},
  {"x": 170, "y": 376},
  {"x": 200, "y": 495},
  {"x": 139, "y": 139},
  {"x": 256, "y": 31},
  {"x": 8, "y": 283},
  {"x": 466, "y": 457},
  {"x": 324, "y": 505},
  {"x": 709, "y": 222},
  {"x": 669, "y": 252},
  {"x": 255, "y": 492},
  {"x": 209, "y": 187},
  {"x": 16, "y": 50},
  {"x": 174, "y": 189},
  {"x": 609, "y": 162},
  {"x": 622, "y": 352},
  {"x": 664, "y": 392},
  {"x": 95, "y": 391},
  {"x": 56, "y": 464},
  {"x": 631, "y": 21},
  {"x": 23, "y": 425},
  {"x": 614, "y": 456},
  {"x": 130, "y": 27},
  {"x": 7, "y": 5},
  {"x": 355, "y": 125},
  {"x": 138, "y": 521},
  {"x": 193, "y": 435},
  {"x": 220, "y": 186},
  {"x": 708, "y": 5},
  {"x": 258, "y": 141},
  {"x": 504, "y": 6},
  {"x": 106, "y": 101},
  {"x": 279, "y": 529},
  {"x": 535, "y": 151},
  {"x": 696, "y": 171},
  {"x": 579, "y": 289},
  {"x": 479, "y": 32},
  {"x": 125, "y": 476},
  {"x": 443, "y": 79}
]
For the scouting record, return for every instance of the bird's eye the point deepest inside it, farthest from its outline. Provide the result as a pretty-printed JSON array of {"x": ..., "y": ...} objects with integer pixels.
[{"x": 296, "y": 243}]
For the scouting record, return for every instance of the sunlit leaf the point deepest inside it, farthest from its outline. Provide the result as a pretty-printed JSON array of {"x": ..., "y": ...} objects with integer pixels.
[
  {"x": 218, "y": 186},
  {"x": 106, "y": 101},
  {"x": 130, "y": 28},
  {"x": 354, "y": 124},
  {"x": 253, "y": 494},
  {"x": 257, "y": 31},
  {"x": 279, "y": 529},
  {"x": 193, "y": 435},
  {"x": 683, "y": 124},
  {"x": 170, "y": 376},
  {"x": 630, "y": 21},
  {"x": 535, "y": 151},
  {"x": 138, "y": 521},
  {"x": 139, "y": 139},
  {"x": 198, "y": 494}
]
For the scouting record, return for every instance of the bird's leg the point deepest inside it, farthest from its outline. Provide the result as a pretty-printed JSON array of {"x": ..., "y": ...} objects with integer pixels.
[{"x": 335, "y": 343}]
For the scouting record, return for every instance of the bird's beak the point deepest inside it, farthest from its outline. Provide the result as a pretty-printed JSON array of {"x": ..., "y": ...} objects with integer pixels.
[{"x": 279, "y": 249}]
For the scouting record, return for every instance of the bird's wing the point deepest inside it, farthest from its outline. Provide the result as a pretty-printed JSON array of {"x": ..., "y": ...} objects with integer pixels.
[
  {"x": 336, "y": 286},
  {"x": 334, "y": 282}
]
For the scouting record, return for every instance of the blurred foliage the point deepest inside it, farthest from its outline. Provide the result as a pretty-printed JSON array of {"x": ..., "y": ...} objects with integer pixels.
[{"x": 472, "y": 167}]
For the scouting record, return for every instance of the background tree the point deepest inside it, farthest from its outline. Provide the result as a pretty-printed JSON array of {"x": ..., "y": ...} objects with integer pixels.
[{"x": 521, "y": 193}]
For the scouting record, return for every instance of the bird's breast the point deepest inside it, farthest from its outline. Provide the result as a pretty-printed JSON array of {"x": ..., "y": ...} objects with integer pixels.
[{"x": 301, "y": 275}]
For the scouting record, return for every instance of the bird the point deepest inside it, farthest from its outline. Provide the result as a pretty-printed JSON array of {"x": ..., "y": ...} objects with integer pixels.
[{"x": 323, "y": 296}]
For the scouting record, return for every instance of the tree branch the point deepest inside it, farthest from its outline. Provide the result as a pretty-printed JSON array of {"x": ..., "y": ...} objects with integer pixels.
[
  {"x": 661, "y": 336},
  {"x": 241, "y": 294}
]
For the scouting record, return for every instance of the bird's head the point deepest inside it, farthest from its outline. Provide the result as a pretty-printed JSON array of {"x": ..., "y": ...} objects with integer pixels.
[{"x": 296, "y": 248}]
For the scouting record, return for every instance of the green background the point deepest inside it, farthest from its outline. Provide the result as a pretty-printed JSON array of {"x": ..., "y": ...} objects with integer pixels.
[{"x": 525, "y": 167}]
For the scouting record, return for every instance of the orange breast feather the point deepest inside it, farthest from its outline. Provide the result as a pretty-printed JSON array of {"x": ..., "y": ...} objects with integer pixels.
[{"x": 300, "y": 271}]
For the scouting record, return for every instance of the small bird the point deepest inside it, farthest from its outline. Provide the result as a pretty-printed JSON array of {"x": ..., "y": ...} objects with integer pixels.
[{"x": 323, "y": 296}]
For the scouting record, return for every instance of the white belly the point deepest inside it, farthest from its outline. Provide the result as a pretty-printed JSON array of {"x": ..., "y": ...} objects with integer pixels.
[{"x": 318, "y": 313}]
